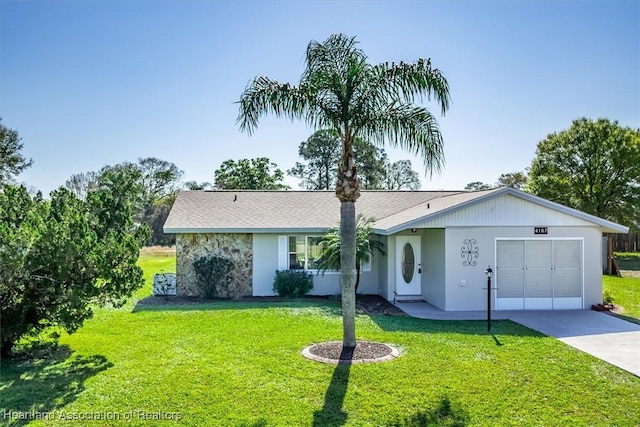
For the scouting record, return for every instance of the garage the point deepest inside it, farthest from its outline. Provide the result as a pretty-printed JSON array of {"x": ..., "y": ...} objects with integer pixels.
[{"x": 539, "y": 274}]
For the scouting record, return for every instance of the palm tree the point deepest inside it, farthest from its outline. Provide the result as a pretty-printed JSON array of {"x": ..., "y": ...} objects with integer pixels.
[
  {"x": 340, "y": 90},
  {"x": 365, "y": 246}
]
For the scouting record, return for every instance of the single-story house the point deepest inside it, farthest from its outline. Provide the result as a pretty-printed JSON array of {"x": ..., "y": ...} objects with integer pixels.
[{"x": 438, "y": 245}]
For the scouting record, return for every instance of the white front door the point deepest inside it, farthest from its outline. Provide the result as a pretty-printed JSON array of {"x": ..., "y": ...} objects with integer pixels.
[{"x": 408, "y": 265}]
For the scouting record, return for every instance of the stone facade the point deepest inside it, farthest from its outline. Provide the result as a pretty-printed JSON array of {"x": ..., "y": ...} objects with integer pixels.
[{"x": 237, "y": 247}]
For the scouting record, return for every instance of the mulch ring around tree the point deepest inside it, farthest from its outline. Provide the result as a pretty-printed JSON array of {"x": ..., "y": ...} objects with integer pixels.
[{"x": 364, "y": 352}]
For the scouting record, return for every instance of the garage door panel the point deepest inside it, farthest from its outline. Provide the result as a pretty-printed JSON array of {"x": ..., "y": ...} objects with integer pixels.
[
  {"x": 539, "y": 274},
  {"x": 567, "y": 254},
  {"x": 539, "y": 254},
  {"x": 538, "y": 303},
  {"x": 567, "y": 283},
  {"x": 539, "y": 283},
  {"x": 510, "y": 253},
  {"x": 510, "y": 283}
]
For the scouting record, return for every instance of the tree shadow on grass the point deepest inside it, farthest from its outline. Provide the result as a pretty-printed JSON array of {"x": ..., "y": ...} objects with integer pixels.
[
  {"x": 331, "y": 413},
  {"x": 445, "y": 414},
  {"x": 39, "y": 386}
]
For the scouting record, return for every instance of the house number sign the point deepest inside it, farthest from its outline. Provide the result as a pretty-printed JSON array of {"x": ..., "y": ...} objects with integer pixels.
[{"x": 540, "y": 230}]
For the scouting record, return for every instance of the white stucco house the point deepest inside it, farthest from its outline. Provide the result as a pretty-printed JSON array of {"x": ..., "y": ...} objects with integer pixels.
[{"x": 438, "y": 245}]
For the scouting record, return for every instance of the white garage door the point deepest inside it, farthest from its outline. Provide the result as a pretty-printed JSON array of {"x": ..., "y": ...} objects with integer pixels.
[{"x": 540, "y": 274}]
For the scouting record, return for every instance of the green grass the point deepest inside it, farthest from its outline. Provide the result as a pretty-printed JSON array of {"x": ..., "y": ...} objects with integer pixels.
[
  {"x": 239, "y": 363},
  {"x": 626, "y": 290}
]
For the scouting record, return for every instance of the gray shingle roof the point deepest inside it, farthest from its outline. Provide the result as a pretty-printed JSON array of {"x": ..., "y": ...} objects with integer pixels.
[
  {"x": 270, "y": 211},
  {"x": 245, "y": 211}
]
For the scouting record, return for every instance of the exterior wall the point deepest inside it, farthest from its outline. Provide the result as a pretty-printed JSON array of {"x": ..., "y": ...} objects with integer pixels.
[
  {"x": 237, "y": 247},
  {"x": 433, "y": 266},
  {"x": 390, "y": 270},
  {"x": 383, "y": 267},
  {"x": 464, "y": 284},
  {"x": 265, "y": 264},
  {"x": 370, "y": 280}
]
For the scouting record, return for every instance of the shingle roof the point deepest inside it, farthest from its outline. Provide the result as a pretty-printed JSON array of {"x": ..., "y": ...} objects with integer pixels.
[
  {"x": 269, "y": 211},
  {"x": 245, "y": 211}
]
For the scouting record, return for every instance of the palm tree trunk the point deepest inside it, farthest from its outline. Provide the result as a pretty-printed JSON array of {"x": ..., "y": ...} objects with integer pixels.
[
  {"x": 347, "y": 271},
  {"x": 348, "y": 191}
]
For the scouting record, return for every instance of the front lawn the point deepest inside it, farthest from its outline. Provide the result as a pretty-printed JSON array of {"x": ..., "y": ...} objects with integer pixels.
[
  {"x": 233, "y": 363},
  {"x": 626, "y": 290}
]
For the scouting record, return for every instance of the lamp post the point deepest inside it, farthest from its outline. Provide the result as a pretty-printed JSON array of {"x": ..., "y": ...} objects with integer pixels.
[{"x": 488, "y": 272}]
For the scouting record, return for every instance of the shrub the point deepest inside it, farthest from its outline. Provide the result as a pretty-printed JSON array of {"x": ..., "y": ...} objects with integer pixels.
[
  {"x": 292, "y": 283},
  {"x": 212, "y": 274},
  {"x": 607, "y": 298}
]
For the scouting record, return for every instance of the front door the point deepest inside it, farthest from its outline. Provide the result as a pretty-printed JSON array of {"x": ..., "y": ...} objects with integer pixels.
[{"x": 408, "y": 265}]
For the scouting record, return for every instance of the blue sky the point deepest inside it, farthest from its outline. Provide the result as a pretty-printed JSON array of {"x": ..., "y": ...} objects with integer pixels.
[{"x": 91, "y": 83}]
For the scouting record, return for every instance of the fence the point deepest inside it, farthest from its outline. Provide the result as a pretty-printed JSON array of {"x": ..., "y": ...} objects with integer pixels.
[{"x": 625, "y": 242}]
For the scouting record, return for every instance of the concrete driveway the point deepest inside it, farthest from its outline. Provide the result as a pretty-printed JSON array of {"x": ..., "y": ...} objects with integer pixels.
[{"x": 606, "y": 337}]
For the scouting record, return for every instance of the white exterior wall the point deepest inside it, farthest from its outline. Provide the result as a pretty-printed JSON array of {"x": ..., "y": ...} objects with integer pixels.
[
  {"x": 464, "y": 284},
  {"x": 382, "y": 266},
  {"x": 434, "y": 266},
  {"x": 265, "y": 264}
]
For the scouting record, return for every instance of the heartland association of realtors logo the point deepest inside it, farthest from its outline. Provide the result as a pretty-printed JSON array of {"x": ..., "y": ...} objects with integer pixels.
[{"x": 91, "y": 416}]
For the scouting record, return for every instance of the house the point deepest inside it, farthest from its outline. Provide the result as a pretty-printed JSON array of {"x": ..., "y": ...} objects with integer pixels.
[{"x": 438, "y": 245}]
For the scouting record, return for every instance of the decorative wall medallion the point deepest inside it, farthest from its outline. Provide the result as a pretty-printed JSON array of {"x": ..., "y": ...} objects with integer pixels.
[{"x": 469, "y": 252}]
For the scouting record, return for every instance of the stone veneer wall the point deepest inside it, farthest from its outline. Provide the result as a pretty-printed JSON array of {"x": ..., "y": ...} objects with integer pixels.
[{"x": 237, "y": 247}]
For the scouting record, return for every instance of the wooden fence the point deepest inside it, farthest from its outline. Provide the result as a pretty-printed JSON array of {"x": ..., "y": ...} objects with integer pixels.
[{"x": 625, "y": 242}]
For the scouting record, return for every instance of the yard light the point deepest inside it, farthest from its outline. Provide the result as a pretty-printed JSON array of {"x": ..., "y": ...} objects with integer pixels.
[{"x": 489, "y": 273}]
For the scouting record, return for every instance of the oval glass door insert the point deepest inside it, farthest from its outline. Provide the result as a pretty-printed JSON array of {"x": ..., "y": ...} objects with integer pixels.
[{"x": 408, "y": 262}]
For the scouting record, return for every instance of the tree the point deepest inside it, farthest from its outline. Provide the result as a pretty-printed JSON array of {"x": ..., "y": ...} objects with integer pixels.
[
  {"x": 155, "y": 215},
  {"x": 12, "y": 162},
  {"x": 401, "y": 176},
  {"x": 516, "y": 180},
  {"x": 370, "y": 162},
  {"x": 249, "y": 174},
  {"x": 60, "y": 257},
  {"x": 159, "y": 178},
  {"x": 81, "y": 183},
  {"x": 156, "y": 183},
  {"x": 195, "y": 185},
  {"x": 339, "y": 90},
  {"x": 366, "y": 245},
  {"x": 322, "y": 153},
  {"x": 477, "y": 186},
  {"x": 593, "y": 166}
]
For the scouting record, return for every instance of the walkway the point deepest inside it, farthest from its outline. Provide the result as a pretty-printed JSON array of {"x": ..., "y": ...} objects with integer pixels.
[{"x": 613, "y": 340}]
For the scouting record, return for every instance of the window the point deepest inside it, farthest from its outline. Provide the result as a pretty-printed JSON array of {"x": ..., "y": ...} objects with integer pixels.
[{"x": 302, "y": 252}]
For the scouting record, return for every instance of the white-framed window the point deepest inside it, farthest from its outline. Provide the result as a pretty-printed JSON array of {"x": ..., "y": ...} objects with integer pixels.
[{"x": 302, "y": 253}]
